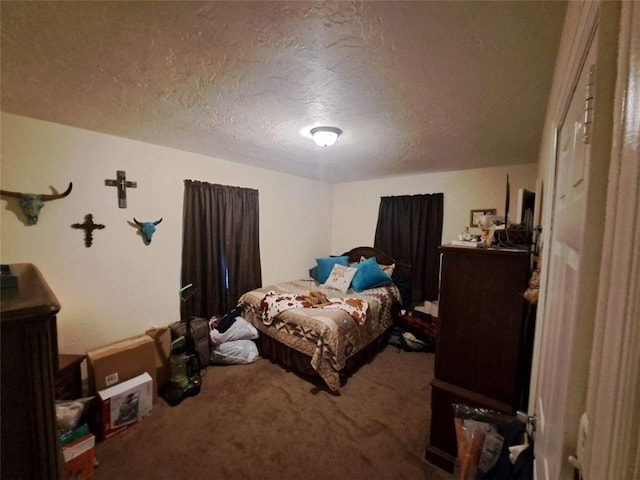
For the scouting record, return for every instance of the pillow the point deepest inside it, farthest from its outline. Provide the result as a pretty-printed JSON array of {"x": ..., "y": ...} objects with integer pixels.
[
  {"x": 326, "y": 264},
  {"x": 369, "y": 275},
  {"x": 313, "y": 272},
  {"x": 388, "y": 269},
  {"x": 340, "y": 277}
]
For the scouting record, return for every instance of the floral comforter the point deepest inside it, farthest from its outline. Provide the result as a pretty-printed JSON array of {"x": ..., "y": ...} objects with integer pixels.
[{"x": 329, "y": 333}]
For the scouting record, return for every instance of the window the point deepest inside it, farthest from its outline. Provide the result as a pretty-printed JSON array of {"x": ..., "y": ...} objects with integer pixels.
[
  {"x": 220, "y": 246},
  {"x": 410, "y": 230}
]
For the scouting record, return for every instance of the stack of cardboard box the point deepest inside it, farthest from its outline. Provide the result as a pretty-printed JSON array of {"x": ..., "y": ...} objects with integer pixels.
[{"x": 126, "y": 376}]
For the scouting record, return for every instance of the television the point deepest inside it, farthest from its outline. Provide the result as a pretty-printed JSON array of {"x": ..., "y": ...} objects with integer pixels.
[
  {"x": 526, "y": 208},
  {"x": 506, "y": 204},
  {"x": 514, "y": 235}
]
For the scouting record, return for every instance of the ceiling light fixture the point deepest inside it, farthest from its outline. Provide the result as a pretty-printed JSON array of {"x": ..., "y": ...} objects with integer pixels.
[{"x": 325, "y": 136}]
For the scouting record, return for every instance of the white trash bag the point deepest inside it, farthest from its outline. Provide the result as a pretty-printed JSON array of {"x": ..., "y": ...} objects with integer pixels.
[
  {"x": 235, "y": 352},
  {"x": 239, "y": 330}
]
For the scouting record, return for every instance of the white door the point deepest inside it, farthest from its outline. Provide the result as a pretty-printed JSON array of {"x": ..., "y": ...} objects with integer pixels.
[{"x": 566, "y": 338}]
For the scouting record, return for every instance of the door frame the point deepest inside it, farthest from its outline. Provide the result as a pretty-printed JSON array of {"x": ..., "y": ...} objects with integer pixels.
[
  {"x": 611, "y": 449},
  {"x": 568, "y": 66}
]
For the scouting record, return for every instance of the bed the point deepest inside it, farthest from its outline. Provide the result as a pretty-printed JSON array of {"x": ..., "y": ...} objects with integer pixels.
[{"x": 317, "y": 330}]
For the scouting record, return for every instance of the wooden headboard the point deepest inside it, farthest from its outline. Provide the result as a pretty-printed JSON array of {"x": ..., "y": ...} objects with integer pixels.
[{"x": 382, "y": 258}]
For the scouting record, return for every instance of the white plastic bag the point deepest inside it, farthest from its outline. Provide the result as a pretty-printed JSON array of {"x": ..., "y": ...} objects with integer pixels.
[
  {"x": 69, "y": 412},
  {"x": 235, "y": 352},
  {"x": 239, "y": 330}
]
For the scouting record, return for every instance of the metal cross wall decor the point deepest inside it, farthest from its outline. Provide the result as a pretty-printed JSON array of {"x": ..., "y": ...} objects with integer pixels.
[
  {"x": 122, "y": 184},
  {"x": 88, "y": 226}
]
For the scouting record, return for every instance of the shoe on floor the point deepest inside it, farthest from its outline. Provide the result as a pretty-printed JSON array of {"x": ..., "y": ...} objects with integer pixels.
[{"x": 412, "y": 342}]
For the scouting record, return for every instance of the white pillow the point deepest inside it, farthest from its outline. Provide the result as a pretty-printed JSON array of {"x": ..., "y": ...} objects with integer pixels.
[{"x": 340, "y": 277}]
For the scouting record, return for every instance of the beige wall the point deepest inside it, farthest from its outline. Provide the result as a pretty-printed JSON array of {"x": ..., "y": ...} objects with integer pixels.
[
  {"x": 119, "y": 287},
  {"x": 355, "y": 205}
]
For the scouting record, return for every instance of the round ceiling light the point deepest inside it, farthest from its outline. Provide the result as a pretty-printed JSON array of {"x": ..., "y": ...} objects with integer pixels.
[{"x": 325, "y": 136}]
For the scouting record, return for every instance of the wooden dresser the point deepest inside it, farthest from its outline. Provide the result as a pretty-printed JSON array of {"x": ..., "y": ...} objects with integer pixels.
[
  {"x": 483, "y": 351},
  {"x": 29, "y": 363}
]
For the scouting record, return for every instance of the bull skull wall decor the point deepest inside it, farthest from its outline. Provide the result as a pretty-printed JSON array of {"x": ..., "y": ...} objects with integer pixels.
[
  {"x": 147, "y": 229},
  {"x": 32, "y": 203}
]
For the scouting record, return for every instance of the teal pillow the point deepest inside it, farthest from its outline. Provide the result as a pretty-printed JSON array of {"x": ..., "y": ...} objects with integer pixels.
[
  {"x": 313, "y": 272},
  {"x": 325, "y": 265},
  {"x": 369, "y": 275}
]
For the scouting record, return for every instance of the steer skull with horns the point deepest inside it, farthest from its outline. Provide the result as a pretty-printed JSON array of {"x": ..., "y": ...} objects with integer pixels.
[
  {"x": 147, "y": 229},
  {"x": 32, "y": 203}
]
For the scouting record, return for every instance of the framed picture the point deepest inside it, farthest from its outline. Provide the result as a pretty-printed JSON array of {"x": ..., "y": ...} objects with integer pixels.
[{"x": 474, "y": 220}]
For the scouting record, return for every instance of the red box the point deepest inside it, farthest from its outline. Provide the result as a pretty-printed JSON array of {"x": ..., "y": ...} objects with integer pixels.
[
  {"x": 79, "y": 458},
  {"x": 124, "y": 405},
  {"x": 421, "y": 324}
]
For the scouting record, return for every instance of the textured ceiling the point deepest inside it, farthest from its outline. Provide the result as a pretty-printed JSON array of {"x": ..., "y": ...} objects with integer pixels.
[{"x": 415, "y": 86}]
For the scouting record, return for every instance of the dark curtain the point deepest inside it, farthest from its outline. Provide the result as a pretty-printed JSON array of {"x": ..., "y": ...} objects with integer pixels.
[
  {"x": 410, "y": 230},
  {"x": 220, "y": 246}
]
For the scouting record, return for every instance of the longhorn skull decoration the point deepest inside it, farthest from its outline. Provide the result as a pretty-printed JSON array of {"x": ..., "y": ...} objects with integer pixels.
[
  {"x": 32, "y": 203},
  {"x": 147, "y": 229}
]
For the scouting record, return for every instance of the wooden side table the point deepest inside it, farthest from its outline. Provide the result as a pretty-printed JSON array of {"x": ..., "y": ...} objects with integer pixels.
[{"x": 69, "y": 377}]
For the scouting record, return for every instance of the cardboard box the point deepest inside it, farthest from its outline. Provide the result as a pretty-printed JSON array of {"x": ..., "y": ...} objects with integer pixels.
[
  {"x": 120, "y": 361},
  {"x": 79, "y": 458},
  {"x": 124, "y": 405},
  {"x": 162, "y": 338}
]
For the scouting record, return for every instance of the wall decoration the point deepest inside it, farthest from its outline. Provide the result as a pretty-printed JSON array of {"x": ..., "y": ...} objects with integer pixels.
[
  {"x": 147, "y": 229},
  {"x": 122, "y": 183},
  {"x": 88, "y": 226},
  {"x": 476, "y": 216},
  {"x": 32, "y": 203}
]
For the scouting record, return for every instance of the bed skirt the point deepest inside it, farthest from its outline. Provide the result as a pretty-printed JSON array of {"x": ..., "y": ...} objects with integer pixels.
[{"x": 300, "y": 363}]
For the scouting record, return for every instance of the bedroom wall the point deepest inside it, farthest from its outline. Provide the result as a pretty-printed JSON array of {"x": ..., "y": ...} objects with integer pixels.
[
  {"x": 355, "y": 205},
  {"x": 120, "y": 287}
]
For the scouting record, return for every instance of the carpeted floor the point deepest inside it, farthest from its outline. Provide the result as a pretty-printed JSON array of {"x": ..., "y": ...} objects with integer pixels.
[{"x": 259, "y": 421}]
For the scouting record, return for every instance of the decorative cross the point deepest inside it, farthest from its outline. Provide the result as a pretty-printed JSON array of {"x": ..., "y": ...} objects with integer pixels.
[
  {"x": 88, "y": 226},
  {"x": 122, "y": 184}
]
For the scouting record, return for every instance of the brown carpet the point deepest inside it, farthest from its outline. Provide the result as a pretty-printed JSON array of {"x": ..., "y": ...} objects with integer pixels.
[{"x": 259, "y": 421}]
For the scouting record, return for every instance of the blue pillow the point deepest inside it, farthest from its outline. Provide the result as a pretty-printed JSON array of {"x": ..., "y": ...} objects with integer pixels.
[
  {"x": 313, "y": 272},
  {"x": 369, "y": 275},
  {"x": 325, "y": 265}
]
